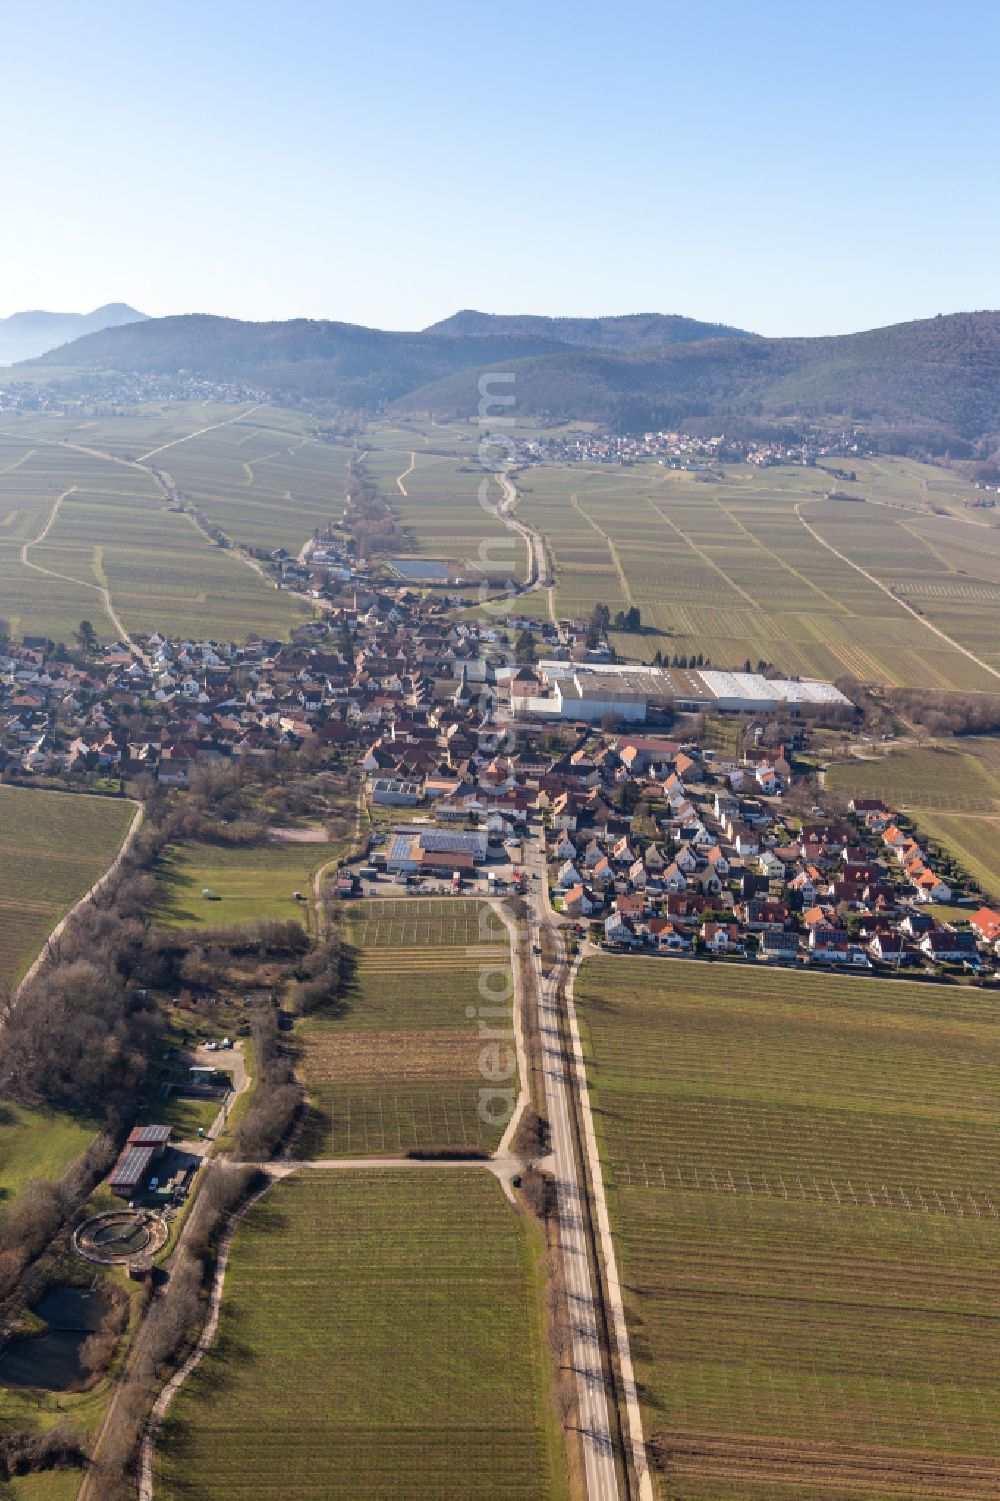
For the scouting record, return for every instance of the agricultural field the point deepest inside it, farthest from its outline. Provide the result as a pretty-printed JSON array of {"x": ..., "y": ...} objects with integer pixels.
[
  {"x": 729, "y": 568},
  {"x": 952, "y": 793},
  {"x": 433, "y": 491},
  {"x": 247, "y": 882},
  {"x": 266, "y": 481},
  {"x": 380, "y": 1339},
  {"x": 956, "y": 777},
  {"x": 51, "y": 1485},
  {"x": 53, "y": 847},
  {"x": 84, "y": 507},
  {"x": 397, "y": 1068},
  {"x": 802, "y": 1181}
]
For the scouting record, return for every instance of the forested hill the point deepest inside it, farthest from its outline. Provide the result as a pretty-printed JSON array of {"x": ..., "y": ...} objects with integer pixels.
[
  {"x": 357, "y": 366},
  {"x": 627, "y": 331},
  {"x": 935, "y": 382}
]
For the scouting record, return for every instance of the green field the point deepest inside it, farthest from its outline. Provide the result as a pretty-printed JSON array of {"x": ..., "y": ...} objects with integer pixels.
[
  {"x": 53, "y": 847},
  {"x": 398, "y": 1070},
  {"x": 52, "y": 1485},
  {"x": 249, "y": 881},
  {"x": 956, "y": 777},
  {"x": 81, "y": 507},
  {"x": 973, "y": 841},
  {"x": 380, "y": 1339},
  {"x": 802, "y": 1178},
  {"x": 440, "y": 511},
  {"x": 37, "y": 1143},
  {"x": 952, "y": 793},
  {"x": 726, "y": 567}
]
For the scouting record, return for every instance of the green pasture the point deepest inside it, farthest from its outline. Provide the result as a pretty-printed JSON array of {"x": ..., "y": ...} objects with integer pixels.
[
  {"x": 380, "y": 1339},
  {"x": 247, "y": 882}
]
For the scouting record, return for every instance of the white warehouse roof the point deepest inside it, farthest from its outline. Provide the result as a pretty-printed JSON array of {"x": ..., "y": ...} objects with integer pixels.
[{"x": 754, "y": 686}]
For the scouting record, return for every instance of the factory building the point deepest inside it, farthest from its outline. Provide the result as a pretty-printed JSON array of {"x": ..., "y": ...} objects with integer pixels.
[{"x": 631, "y": 694}]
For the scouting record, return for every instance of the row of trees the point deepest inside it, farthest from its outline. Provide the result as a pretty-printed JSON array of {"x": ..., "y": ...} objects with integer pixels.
[
  {"x": 277, "y": 1098},
  {"x": 947, "y": 713},
  {"x": 371, "y": 522}
]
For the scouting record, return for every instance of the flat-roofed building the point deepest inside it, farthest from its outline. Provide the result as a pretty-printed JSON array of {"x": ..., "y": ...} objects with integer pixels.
[
  {"x": 631, "y": 693},
  {"x": 434, "y": 849}
]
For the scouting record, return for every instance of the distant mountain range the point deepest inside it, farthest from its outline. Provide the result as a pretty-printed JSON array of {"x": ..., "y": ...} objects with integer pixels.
[
  {"x": 626, "y": 331},
  {"x": 932, "y": 383},
  {"x": 25, "y": 335}
]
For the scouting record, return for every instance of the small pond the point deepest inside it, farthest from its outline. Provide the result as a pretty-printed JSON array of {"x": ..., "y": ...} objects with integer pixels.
[
  {"x": 52, "y": 1360},
  {"x": 421, "y": 570}
]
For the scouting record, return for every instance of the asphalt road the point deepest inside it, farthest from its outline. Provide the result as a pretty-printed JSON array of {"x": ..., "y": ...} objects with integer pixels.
[{"x": 593, "y": 1396}]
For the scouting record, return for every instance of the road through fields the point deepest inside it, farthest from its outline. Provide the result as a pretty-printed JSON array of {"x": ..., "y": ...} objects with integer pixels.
[{"x": 581, "y": 1276}]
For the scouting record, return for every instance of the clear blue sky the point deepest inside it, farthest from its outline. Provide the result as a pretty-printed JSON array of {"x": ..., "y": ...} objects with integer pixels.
[{"x": 804, "y": 167}]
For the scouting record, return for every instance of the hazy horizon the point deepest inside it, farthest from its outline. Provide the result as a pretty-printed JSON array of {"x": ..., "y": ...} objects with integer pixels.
[
  {"x": 790, "y": 172},
  {"x": 494, "y": 312}
]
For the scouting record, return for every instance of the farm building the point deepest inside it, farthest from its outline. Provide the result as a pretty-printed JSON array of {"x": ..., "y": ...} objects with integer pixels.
[{"x": 145, "y": 1144}]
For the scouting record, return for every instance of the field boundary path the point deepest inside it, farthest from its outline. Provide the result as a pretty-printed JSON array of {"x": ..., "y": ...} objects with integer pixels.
[
  {"x": 613, "y": 1293},
  {"x": 88, "y": 896},
  {"x": 927, "y": 624},
  {"x": 100, "y": 586},
  {"x": 354, "y": 849},
  {"x": 210, "y": 428},
  {"x": 539, "y": 573},
  {"x": 612, "y": 547},
  {"x": 400, "y": 477}
]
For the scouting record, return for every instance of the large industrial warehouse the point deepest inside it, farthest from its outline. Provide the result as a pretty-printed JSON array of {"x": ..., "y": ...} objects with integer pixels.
[{"x": 631, "y": 694}]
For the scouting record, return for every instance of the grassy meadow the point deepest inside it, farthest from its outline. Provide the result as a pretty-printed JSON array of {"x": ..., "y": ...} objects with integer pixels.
[
  {"x": 802, "y": 1177},
  {"x": 53, "y": 847},
  {"x": 380, "y": 1339},
  {"x": 249, "y": 881},
  {"x": 396, "y": 1069},
  {"x": 38, "y": 1143}
]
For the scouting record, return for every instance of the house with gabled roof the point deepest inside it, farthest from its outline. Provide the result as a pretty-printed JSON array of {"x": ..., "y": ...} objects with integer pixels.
[
  {"x": 986, "y": 923},
  {"x": 619, "y": 932},
  {"x": 578, "y": 902},
  {"x": 667, "y": 936}
]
